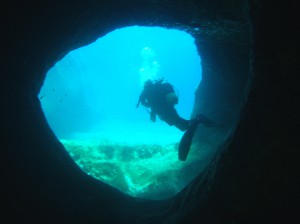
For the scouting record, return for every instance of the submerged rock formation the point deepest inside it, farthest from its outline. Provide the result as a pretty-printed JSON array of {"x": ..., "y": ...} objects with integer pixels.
[{"x": 249, "y": 52}]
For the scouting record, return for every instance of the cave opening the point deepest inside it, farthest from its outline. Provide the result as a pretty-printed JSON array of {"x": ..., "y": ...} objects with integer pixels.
[{"x": 89, "y": 99}]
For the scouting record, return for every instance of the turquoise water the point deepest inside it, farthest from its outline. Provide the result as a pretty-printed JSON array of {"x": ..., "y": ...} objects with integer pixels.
[{"x": 89, "y": 99}]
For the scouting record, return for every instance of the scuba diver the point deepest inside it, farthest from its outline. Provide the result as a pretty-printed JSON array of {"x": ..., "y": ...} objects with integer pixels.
[{"x": 160, "y": 97}]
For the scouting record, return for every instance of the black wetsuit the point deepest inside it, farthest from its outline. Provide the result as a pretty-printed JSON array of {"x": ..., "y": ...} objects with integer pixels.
[{"x": 154, "y": 96}]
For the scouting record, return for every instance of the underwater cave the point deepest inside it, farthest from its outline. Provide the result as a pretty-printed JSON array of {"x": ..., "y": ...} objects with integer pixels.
[
  {"x": 89, "y": 98},
  {"x": 250, "y": 174}
]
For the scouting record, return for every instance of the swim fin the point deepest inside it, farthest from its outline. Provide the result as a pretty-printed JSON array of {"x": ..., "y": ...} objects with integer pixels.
[{"x": 186, "y": 141}]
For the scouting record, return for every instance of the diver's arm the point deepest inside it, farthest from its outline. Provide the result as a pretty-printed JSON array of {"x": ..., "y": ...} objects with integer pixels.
[
  {"x": 138, "y": 103},
  {"x": 141, "y": 99}
]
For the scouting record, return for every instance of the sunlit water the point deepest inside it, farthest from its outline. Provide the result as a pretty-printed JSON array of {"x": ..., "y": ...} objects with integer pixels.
[{"x": 90, "y": 97}]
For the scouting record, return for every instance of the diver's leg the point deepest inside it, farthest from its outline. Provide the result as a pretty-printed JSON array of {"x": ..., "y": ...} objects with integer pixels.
[
  {"x": 171, "y": 117},
  {"x": 182, "y": 124}
]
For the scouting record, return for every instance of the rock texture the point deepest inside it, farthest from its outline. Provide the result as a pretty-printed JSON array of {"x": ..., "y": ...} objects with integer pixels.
[{"x": 249, "y": 52}]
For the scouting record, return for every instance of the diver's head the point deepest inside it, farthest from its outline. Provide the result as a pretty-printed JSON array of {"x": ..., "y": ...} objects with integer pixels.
[{"x": 148, "y": 83}]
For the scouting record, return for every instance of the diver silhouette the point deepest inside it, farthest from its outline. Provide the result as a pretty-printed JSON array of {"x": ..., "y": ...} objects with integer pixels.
[{"x": 160, "y": 97}]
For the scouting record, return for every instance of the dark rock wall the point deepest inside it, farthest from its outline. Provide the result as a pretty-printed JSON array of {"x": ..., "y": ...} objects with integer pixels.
[
  {"x": 256, "y": 179},
  {"x": 225, "y": 65},
  {"x": 253, "y": 179}
]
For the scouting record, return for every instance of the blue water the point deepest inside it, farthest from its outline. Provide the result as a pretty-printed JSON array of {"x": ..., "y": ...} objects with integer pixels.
[
  {"x": 89, "y": 99},
  {"x": 93, "y": 91}
]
